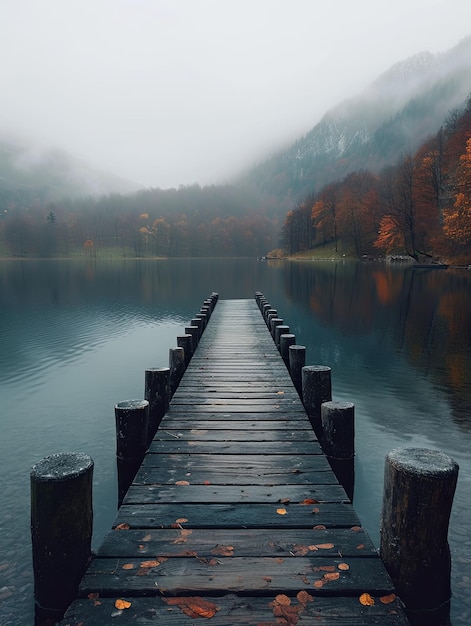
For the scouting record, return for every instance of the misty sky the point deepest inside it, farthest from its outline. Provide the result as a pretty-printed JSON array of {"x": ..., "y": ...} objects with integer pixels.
[{"x": 170, "y": 92}]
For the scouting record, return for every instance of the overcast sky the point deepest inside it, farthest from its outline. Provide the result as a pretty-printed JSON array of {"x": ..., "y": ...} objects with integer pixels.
[{"x": 170, "y": 92}]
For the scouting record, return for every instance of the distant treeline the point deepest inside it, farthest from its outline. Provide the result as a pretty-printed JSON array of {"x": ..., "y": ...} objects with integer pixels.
[
  {"x": 420, "y": 207},
  {"x": 189, "y": 221}
]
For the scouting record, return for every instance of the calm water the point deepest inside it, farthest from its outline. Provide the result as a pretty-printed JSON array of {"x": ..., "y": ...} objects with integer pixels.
[{"x": 76, "y": 337}]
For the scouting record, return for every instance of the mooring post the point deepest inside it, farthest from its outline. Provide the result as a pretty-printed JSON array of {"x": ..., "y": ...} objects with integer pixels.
[
  {"x": 297, "y": 360},
  {"x": 132, "y": 428},
  {"x": 286, "y": 340},
  {"x": 280, "y": 329},
  {"x": 193, "y": 331},
  {"x": 61, "y": 529},
  {"x": 419, "y": 485},
  {"x": 317, "y": 388},
  {"x": 186, "y": 342},
  {"x": 338, "y": 441},
  {"x": 157, "y": 393},
  {"x": 196, "y": 321},
  {"x": 204, "y": 320},
  {"x": 176, "y": 359},
  {"x": 274, "y": 322}
]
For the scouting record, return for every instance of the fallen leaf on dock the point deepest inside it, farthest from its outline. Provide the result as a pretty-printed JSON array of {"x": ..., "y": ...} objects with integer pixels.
[
  {"x": 122, "y": 604},
  {"x": 332, "y": 576},
  {"x": 343, "y": 567},
  {"x": 223, "y": 551},
  {"x": 122, "y": 526},
  {"x": 388, "y": 599},
  {"x": 366, "y": 599},
  {"x": 281, "y": 511},
  {"x": 324, "y": 546},
  {"x": 128, "y": 566},
  {"x": 182, "y": 483},
  {"x": 194, "y": 606},
  {"x": 304, "y": 597}
]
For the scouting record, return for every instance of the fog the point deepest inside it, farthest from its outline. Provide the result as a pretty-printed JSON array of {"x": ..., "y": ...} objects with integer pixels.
[{"x": 174, "y": 92}]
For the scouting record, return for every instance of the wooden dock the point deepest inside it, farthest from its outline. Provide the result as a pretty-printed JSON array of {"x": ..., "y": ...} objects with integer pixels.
[{"x": 235, "y": 515}]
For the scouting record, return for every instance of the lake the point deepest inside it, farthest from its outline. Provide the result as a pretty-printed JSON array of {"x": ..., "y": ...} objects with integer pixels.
[{"x": 77, "y": 336}]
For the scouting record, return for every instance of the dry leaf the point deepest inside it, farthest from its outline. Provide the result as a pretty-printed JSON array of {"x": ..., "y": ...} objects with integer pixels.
[
  {"x": 304, "y": 597},
  {"x": 318, "y": 584},
  {"x": 388, "y": 599},
  {"x": 122, "y": 526},
  {"x": 366, "y": 599},
  {"x": 206, "y": 482},
  {"x": 122, "y": 604},
  {"x": 282, "y": 599},
  {"x": 147, "y": 538},
  {"x": 128, "y": 566},
  {"x": 223, "y": 551},
  {"x": 181, "y": 520},
  {"x": 319, "y": 527},
  {"x": 281, "y": 511},
  {"x": 284, "y": 500},
  {"x": 184, "y": 533},
  {"x": 343, "y": 566},
  {"x": 356, "y": 529},
  {"x": 309, "y": 501},
  {"x": 182, "y": 482},
  {"x": 332, "y": 576},
  {"x": 194, "y": 606},
  {"x": 324, "y": 546},
  {"x": 360, "y": 546}
]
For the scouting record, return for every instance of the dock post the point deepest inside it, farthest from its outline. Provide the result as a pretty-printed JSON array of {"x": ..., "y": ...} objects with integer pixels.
[
  {"x": 281, "y": 329},
  {"x": 198, "y": 322},
  {"x": 297, "y": 360},
  {"x": 193, "y": 331},
  {"x": 176, "y": 360},
  {"x": 338, "y": 441},
  {"x": 186, "y": 342},
  {"x": 286, "y": 340},
  {"x": 132, "y": 428},
  {"x": 274, "y": 322},
  {"x": 157, "y": 393},
  {"x": 317, "y": 388},
  {"x": 419, "y": 485},
  {"x": 61, "y": 529}
]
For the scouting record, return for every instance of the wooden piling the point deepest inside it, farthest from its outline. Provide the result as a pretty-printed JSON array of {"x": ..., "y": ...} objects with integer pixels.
[
  {"x": 338, "y": 441},
  {"x": 132, "y": 428},
  {"x": 317, "y": 388},
  {"x": 186, "y": 342},
  {"x": 157, "y": 393},
  {"x": 176, "y": 360},
  {"x": 193, "y": 331},
  {"x": 297, "y": 360},
  {"x": 419, "y": 485},
  {"x": 286, "y": 340},
  {"x": 61, "y": 529},
  {"x": 280, "y": 329}
]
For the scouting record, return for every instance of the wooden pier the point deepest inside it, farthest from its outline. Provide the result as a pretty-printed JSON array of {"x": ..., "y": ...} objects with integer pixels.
[{"x": 235, "y": 515}]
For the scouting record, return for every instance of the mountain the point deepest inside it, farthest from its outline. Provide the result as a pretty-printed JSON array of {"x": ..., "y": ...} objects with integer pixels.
[
  {"x": 53, "y": 174},
  {"x": 391, "y": 117}
]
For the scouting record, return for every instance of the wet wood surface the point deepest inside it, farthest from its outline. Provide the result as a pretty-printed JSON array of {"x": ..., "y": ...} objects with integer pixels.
[{"x": 235, "y": 515}]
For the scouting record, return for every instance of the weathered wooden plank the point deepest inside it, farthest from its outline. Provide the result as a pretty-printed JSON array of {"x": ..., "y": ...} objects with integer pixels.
[
  {"x": 237, "y": 515},
  {"x": 190, "y": 433},
  {"x": 209, "y": 494},
  {"x": 202, "y": 574},
  {"x": 169, "y": 475},
  {"x": 175, "y": 542},
  {"x": 235, "y": 610},
  {"x": 177, "y": 446}
]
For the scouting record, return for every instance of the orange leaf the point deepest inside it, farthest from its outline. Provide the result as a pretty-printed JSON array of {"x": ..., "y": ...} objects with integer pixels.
[
  {"x": 128, "y": 566},
  {"x": 282, "y": 599},
  {"x": 304, "y": 597},
  {"x": 310, "y": 501},
  {"x": 182, "y": 482},
  {"x": 343, "y": 566},
  {"x": 184, "y": 533},
  {"x": 150, "y": 564},
  {"x": 360, "y": 546},
  {"x": 324, "y": 546},
  {"x": 223, "y": 550},
  {"x": 284, "y": 500},
  {"x": 315, "y": 510},
  {"x": 356, "y": 529},
  {"x": 194, "y": 606},
  {"x": 122, "y": 527},
  {"x": 206, "y": 482},
  {"x": 122, "y": 604},
  {"x": 388, "y": 599},
  {"x": 181, "y": 520},
  {"x": 318, "y": 584},
  {"x": 366, "y": 599},
  {"x": 319, "y": 527},
  {"x": 332, "y": 576},
  {"x": 281, "y": 511}
]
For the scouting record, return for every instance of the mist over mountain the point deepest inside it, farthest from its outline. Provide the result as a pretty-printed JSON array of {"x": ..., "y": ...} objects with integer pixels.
[
  {"x": 53, "y": 174},
  {"x": 392, "y": 117}
]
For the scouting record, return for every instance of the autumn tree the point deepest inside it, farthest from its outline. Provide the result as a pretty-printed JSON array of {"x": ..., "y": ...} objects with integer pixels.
[{"x": 457, "y": 222}]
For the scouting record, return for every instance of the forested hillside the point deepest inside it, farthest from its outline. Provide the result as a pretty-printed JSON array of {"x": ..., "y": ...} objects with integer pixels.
[{"x": 420, "y": 206}]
